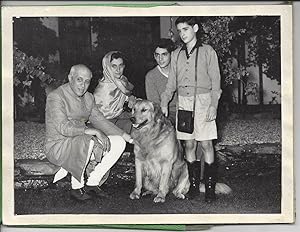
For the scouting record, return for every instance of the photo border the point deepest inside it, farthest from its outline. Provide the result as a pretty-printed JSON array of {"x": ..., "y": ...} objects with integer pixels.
[{"x": 287, "y": 204}]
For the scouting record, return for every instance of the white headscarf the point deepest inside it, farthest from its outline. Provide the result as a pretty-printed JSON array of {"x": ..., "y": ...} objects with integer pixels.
[{"x": 111, "y": 93}]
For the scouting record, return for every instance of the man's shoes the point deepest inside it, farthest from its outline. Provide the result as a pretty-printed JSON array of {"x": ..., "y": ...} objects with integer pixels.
[
  {"x": 96, "y": 191},
  {"x": 80, "y": 194}
]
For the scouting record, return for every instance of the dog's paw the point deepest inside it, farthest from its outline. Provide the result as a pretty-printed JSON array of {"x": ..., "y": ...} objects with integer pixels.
[
  {"x": 159, "y": 199},
  {"x": 147, "y": 193},
  {"x": 180, "y": 196},
  {"x": 134, "y": 195}
]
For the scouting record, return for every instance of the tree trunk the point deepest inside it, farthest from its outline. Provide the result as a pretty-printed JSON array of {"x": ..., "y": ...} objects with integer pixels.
[
  {"x": 239, "y": 92},
  {"x": 261, "y": 84},
  {"x": 260, "y": 74}
]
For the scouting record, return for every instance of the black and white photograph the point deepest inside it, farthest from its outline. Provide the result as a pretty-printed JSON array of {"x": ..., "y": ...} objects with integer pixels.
[{"x": 159, "y": 115}]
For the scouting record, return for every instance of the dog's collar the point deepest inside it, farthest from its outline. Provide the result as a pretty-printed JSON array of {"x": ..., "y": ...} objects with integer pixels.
[{"x": 139, "y": 126}]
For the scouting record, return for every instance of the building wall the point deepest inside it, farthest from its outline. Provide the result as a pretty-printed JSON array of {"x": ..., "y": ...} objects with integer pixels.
[
  {"x": 269, "y": 86},
  {"x": 166, "y": 24}
]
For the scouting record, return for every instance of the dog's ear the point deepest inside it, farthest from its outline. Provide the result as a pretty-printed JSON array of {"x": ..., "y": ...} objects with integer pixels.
[
  {"x": 157, "y": 111},
  {"x": 137, "y": 102}
]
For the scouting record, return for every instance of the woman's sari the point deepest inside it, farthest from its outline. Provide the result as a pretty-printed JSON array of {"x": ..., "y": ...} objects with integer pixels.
[{"x": 111, "y": 93}]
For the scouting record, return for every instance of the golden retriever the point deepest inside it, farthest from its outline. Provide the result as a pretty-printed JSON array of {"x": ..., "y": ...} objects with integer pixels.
[{"x": 159, "y": 164}]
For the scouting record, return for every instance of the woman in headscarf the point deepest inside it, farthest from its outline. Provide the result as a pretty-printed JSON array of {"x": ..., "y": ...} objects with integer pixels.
[{"x": 113, "y": 92}]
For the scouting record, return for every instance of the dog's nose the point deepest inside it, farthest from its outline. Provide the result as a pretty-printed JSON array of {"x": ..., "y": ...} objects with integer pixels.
[{"x": 132, "y": 119}]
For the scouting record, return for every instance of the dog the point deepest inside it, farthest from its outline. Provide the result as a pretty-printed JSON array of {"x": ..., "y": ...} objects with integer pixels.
[{"x": 159, "y": 163}]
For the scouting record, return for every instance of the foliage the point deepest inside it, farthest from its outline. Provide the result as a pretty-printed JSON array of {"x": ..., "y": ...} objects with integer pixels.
[
  {"x": 262, "y": 35},
  {"x": 26, "y": 68},
  {"x": 229, "y": 35},
  {"x": 33, "y": 43},
  {"x": 218, "y": 34},
  {"x": 274, "y": 97},
  {"x": 28, "y": 78},
  {"x": 265, "y": 47}
]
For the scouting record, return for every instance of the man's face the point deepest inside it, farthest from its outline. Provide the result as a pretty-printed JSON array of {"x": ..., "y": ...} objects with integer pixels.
[
  {"x": 187, "y": 32},
  {"x": 117, "y": 67},
  {"x": 162, "y": 57},
  {"x": 80, "y": 81}
]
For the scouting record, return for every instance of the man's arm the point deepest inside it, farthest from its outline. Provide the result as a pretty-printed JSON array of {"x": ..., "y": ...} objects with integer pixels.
[
  {"x": 98, "y": 121},
  {"x": 214, "y": 74},
  {"x": 102, "y": 138},
  {"x": 171, "y": 86}
]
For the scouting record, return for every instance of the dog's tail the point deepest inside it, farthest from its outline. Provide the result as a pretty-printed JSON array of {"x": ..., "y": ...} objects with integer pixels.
[{"x": 221, "y": 188}]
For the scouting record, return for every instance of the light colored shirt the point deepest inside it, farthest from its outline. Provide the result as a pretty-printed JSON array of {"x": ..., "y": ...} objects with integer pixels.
[{"x": 182, "y": 75}]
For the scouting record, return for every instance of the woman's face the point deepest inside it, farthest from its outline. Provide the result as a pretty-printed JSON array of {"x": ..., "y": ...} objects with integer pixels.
[{"x": 117, "y": 67}]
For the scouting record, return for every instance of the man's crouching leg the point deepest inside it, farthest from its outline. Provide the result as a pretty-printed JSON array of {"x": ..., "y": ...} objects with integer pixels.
[
  {"x": 109, "y": 159},
  {"x": 78, "y": 192}
]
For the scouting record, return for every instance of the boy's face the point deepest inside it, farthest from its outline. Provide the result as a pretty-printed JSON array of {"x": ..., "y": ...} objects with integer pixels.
[
  {"x": 162, "y": 57},
  {"x": 117, "y": 67},
  {"x": 187, "y": 32}
]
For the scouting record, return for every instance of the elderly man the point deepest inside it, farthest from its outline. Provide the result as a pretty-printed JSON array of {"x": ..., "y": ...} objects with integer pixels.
[{"x": 71, "y": 144}]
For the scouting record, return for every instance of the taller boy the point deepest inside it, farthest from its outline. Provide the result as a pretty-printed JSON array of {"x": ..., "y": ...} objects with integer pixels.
[{"x": 182, "y": 79}]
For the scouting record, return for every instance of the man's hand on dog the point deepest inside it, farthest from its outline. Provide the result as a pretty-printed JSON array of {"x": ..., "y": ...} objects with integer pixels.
[
  {"x": 127, "y": 138},
  {"x": 211, "y": 114},
  {"x": 103, "y": 139}
]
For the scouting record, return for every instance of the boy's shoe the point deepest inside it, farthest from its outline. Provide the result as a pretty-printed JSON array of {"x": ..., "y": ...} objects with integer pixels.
[
  {"x": 96, "y": 191},
  {"x": 194, "y": 170},
  {"x": 210, "y": 176},
  {"x": 80, "y": 194}
]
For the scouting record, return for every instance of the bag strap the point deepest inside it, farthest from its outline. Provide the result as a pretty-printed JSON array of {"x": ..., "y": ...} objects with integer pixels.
[
  {"x": 196, "y": 80},
  {"x": 176, "y": 66}
]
